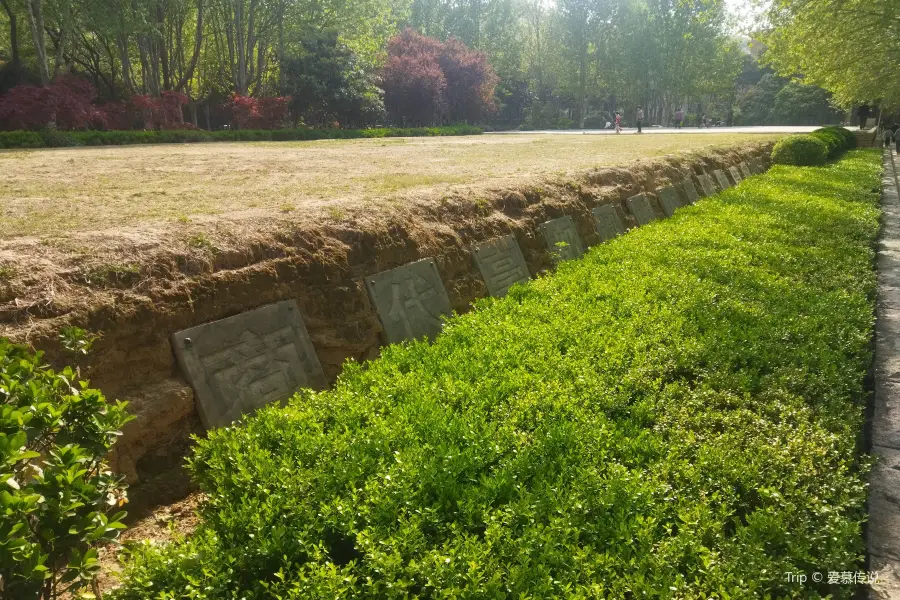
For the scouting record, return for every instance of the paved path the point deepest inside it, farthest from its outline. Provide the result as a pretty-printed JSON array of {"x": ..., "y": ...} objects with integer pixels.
[
  {"x": 884, "y": 495},
  {"x": 658, "y": 130}
]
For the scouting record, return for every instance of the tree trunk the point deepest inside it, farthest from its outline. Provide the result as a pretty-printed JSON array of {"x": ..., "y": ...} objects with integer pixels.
[
  {"x": 240, "y": 83},
  {"x": 36, "y": 22},
  {"x": 582, "y": 87},
  {"x": 122, "y": 45},
  {"x": 13, "y": 32},
  {"x": 64, "y": 25},
  {"x": 162, "y": 53},
  {"x": 198, "y": 40}
]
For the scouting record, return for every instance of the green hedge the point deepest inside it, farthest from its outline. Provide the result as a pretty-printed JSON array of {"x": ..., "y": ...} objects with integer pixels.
[
  {"x": 813, "y": 148},
  {"x": 674, "y": 416},
  {"x": 55, "y": 139},
  {"x": 800, "y": 150}
]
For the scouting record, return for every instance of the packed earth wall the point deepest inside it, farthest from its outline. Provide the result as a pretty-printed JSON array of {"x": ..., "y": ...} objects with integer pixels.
[{"x": 319, "y": 263}]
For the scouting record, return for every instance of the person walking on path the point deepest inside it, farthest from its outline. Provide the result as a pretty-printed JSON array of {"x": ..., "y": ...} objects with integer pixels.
[
  {"x": 863, "y": 111},
  {"x": 639, "y": 117},
  {"x": 679, "y": 118},
  {"x": 618, "y": 122}
]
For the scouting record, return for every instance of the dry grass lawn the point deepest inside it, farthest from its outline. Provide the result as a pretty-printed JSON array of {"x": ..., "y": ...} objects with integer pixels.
[{"x": 48, "y": 191}]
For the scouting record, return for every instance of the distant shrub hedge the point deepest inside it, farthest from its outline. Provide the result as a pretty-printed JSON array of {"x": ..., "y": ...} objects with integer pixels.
[
  {"x": 55, "y": 139},
  {"x": 674, "y": 416},
  {"x": 813, "y": 148}
]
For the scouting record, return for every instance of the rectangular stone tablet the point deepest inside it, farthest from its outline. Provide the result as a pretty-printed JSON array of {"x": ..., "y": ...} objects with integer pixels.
[
  {"x": 690, "y": 190},
  {"x": 410, "y": 300},
  {"x": 669, "y": 200},
  {"x": 241, "y": 363},
  {"x": 501, "y": 264},
  {"x": 721, "y": 179},
  {"x": 562, "y": 238},
  {"x": 641, "y": 209},
  {"x": 706, "y": 184},
  {"x": 745, "y": 170},
  {"x": 735, "y": 174},
  {"x": 607, "y": 221}
]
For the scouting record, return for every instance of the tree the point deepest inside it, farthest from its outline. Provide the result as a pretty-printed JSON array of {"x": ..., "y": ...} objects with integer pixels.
[
  {"x": 413, "y": 81},
  {"x": 470, "y": 82},
  {"x": 327, "y": 84},
  {"x": 799, "y": 104},
  {"x": 428, "y": 82},
  {"x": 847, "y": 47}
]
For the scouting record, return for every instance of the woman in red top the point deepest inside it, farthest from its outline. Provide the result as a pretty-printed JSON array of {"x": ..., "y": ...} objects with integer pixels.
[{"x": 618, "y": 123}]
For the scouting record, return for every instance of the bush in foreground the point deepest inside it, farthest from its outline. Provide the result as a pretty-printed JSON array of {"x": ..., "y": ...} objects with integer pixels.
[
  {"x": 674, "y": 416},
  {"x": 800, "y": 150},
  {"x": 56, "y": 139},
  {"x": 813, "y": 148},
  {"x": 58, "y": 499}
]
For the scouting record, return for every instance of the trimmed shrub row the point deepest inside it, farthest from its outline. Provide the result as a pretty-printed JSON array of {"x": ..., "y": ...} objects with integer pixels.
[
  {"x": 674, "y": 416},
  {"x": 56, "y": 139},
  {"x": 814, "y": 148}
]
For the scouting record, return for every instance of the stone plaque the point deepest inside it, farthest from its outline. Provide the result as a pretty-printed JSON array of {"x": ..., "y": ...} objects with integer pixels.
[
  {"x": 669, "y": 200},
  {"x": 735, "y": 174},
  {"x": 607, "y": 221},
  {"x": 501, "y": 264},
  {"x": 410, "y": 300},
  {"x": 562, "y": 238},
  {"x": 721, "y": 179},
  {"x": 706, "y": 184},
  {"x": 641, "y": 209},
  {"x": 745, "y": 170},
  {"x": 760, "y": 166},
  {"x": 690, "y": 190},
  {"x": 238, "y": 364}
]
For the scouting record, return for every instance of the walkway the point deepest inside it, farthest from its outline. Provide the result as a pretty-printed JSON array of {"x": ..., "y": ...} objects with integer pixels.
[
  {"x": 884, "y": 496},
  {"x": 669, "y": 130}
]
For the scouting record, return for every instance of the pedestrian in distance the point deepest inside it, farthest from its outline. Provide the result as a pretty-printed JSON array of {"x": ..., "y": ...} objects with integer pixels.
[
  {"x": 679, "y": 118},
  {"x": 887, "y": 137},
  {"x": 618, "y": 122},
  {"x": 863, "y": 111},
  {"x": 639, "y": 117}
]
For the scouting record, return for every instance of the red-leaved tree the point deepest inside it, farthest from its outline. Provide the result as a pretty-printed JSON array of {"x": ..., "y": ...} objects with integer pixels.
[
  {"x": 428, "y": 82},
  {"x": 67, "y": 103},
  {"x": 470, "y": 82},
  {"x": 258, "y": 113},
  {"x": 161, "y": 112}
]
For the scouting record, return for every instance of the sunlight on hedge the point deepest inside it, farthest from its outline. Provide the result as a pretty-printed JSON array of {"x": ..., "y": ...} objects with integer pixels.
[{"x": 676, "y": 415}]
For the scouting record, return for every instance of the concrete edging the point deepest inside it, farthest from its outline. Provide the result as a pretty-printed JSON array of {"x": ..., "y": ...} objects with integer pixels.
[{"x": 883, "y": 531}]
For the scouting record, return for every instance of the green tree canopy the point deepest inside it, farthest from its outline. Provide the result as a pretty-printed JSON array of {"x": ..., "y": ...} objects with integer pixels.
[{"x": 849, "y": 47}]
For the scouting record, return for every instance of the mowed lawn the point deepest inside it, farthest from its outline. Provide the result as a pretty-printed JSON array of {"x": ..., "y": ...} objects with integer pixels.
[{"x": 46, "y": 191}]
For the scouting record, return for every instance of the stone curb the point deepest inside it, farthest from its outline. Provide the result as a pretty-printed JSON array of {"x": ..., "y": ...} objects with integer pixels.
[{"x": 883, "y": 532}]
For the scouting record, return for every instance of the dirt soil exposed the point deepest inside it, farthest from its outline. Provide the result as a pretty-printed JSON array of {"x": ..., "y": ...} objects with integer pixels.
[{"x": 136, "y": 286}]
